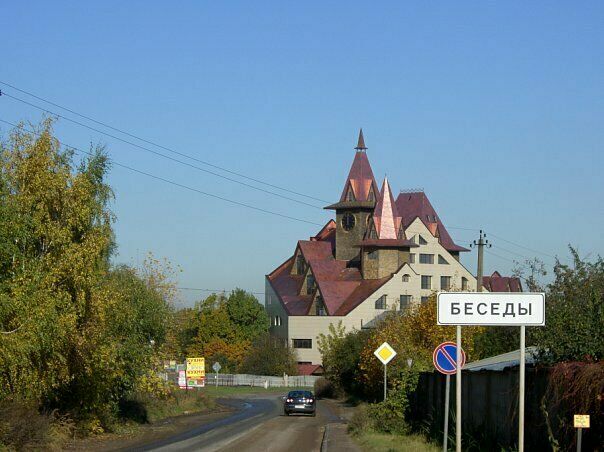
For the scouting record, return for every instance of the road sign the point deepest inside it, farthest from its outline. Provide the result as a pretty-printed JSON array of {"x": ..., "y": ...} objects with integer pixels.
[
  {"x": 216, "y": 366},
  {"x": 481, "y": 308},
  {"x": 581, "y": 421},
  {"x": 385, "y": 353},
  {"x": 444, "y": 358}
]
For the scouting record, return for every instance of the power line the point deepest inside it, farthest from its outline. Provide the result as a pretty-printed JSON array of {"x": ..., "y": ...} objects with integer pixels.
[
  {"x": 510, "y": 251},
  {"x": 204, "y": 162},
  {"x": 216, "y": 290},
  {"x": 522, "y": 246},
  {"x": 159, "y": 153},
  {"x": 151, "y": 142},
  {"x": 177, "y": 184},
  {"x": 500, "y": 257}
]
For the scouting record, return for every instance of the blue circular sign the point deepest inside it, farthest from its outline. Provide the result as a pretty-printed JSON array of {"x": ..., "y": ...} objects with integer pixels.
[{"x": 445, "y": 358}]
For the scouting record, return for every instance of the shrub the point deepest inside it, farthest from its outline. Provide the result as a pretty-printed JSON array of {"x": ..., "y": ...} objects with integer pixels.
[
  {"x": 324, "y": 388},
  {"x": 22, "y": 427},
  {"x": 361, "y": 420}
]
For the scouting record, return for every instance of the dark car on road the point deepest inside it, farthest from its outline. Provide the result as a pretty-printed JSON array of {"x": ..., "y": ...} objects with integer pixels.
[{"x": 299, "y": 402}]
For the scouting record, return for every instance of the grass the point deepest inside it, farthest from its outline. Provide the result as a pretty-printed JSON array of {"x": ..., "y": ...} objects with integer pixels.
[
  {"x": 181, "y": 402},
  {"x": 378, "y": 442}
]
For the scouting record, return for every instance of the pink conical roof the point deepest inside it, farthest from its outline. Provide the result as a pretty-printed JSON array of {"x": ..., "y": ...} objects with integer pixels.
[
  {"x": 360, "y": 178},
  {"x": 385, "y": 215}
]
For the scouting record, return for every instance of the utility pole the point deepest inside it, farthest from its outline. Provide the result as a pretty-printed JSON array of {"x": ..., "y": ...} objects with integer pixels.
[{"x": 482, "y": 242}]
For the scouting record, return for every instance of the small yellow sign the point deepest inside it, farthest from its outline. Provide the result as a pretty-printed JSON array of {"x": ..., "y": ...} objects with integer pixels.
[
  {"x": 196, "y": 367},
  {"x": 385, "y": 353},
  {"x": 581, "y": 420}
]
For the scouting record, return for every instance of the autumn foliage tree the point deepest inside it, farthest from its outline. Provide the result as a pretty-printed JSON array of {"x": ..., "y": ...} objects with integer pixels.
[{"x": 76, "y": 332}]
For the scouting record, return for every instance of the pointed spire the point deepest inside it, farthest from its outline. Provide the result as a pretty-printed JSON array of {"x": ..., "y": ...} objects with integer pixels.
[
  {"x": 385, "y": 215},
  {"x": 361, "y": 143}
]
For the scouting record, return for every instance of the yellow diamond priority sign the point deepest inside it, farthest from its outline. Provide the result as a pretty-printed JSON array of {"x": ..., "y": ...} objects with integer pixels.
[{"x": 385, "y": 353}]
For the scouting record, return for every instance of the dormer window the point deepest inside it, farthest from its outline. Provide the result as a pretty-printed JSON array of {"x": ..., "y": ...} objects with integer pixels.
[
  {"x": 310, "y": 284},
  {"x": 371, "y": 194},
  {"x": 300, "y": 264},
  {"x": 350, "y": 195},
  {"x": 320, "y": 307}
]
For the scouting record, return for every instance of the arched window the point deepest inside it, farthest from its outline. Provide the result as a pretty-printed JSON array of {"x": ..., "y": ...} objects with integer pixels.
[{"x": 406, "y": 278}]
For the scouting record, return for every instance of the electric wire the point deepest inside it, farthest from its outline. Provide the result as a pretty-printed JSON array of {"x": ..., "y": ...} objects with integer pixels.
[
  {"x": 171, "y": 182},
  {"x": 190, "y": 165},
  {"x": 182, "y": 154}
]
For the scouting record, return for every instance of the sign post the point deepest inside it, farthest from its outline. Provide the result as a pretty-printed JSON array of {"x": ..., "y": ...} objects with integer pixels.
[
  {"x": 499, "y": 308},
  {"x": 581, "y": 421},
  {"x": 445, "y": 359},
  {"x": 385, "y": 353},
  {"x": 216, "y": 367}
]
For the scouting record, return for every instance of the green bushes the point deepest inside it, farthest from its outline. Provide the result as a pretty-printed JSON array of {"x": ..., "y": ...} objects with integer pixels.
[{"x": 324, "y": 388}]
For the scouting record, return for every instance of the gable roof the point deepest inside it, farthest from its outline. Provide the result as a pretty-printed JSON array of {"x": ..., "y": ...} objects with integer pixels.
[
  {"x": 342, "y": 288},
  {"x": 498, "y": 283},
  {"x": 417, "y": 205},
  {"x": 360, "y": 178}
]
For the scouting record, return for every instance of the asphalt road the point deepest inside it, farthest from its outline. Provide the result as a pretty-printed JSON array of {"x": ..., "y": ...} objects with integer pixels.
[{"x": 257, "y": 425}]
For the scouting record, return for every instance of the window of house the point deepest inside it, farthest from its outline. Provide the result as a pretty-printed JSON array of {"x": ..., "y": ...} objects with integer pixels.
[
  {"x": 442, "y": 260},
  {"x": 426, "y": 282},
  {"x": 373, "y": 255},
  {"x": 350, "y": 195},
  {"x": 412, "y": 258},
  {"x": 320, "y": 307},
  {"x": 371, "y": 195},
  {"x": 302, "y": 343},
  {"x": 426, "y": 258},
  {"x": 464, "y": 283},
  {"x": 405, "y": 302},
  {"x": 380, "y": 303},
  {"x": 300, "y": 264},
  {"x": 406, "y": 278},
  {"x": 445, "y": 282},
  {"x": 422, "y": 241},
  {"x": 425, "y": 299},
  {"x": 310, "y": 284}
]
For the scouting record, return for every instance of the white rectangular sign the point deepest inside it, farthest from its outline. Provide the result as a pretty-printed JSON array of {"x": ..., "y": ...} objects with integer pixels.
[{"x": 486, "y": 308}]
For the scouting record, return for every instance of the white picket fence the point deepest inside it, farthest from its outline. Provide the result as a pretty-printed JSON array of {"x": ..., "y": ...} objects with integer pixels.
[{"x": 262, "y": 381}]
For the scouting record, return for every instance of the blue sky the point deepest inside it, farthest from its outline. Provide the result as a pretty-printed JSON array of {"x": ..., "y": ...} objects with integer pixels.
[{"x": 494, "y": 109}]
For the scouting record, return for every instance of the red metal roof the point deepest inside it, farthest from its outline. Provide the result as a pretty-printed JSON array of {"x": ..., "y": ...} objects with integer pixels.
[
  {"x": 498, "y": 283},
  {"x": 360, "y": 178},
  {"x": 417, "y": 205},
  {"x": 342, "y": 288},
  {"x": 310, "y": 369}
]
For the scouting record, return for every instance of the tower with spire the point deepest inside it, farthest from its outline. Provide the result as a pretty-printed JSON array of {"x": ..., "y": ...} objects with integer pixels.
[
  {"x": 355, "y": 206},
  {"x": 384, "y": 247}
]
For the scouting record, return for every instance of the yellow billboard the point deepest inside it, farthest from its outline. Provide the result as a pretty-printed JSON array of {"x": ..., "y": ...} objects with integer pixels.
[{"x": 196, "y": 368}]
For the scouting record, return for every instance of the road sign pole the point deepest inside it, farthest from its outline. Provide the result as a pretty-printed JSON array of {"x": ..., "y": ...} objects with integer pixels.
[
  {"x": 446, "y": 428},
  {"x": 458, "y": 393},
  {"x": 385, "y": 380},
  {"x": 579, "y": 434},
  {"x": 521, "y": 390}
]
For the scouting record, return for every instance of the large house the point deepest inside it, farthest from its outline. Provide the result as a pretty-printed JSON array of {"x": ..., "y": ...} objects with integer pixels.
[{"x": 380, "y": 254}]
